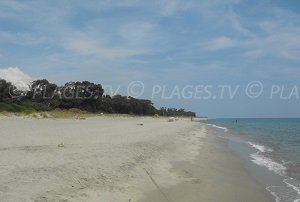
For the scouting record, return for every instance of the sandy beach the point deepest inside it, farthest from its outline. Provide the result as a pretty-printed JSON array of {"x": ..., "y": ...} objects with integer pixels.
[{"x": 119, "y": 159}]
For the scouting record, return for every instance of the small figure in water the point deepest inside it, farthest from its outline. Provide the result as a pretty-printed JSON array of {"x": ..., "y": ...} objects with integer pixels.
[{"x": 235, "y": 121}]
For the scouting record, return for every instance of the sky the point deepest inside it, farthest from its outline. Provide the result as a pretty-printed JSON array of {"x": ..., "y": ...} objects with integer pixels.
[{"x": 174, "y": 48}]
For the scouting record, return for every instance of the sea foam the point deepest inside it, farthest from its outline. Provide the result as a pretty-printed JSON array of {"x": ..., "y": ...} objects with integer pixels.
[
  {"x": 259, "y": 159},
  {"x": 219, "y": 127},
  {"x": 261, "y": 148},
  {"x": 284, "y": 193},
  {"x": 268, "y": 163},
  {"x": 288, "y": 193}
]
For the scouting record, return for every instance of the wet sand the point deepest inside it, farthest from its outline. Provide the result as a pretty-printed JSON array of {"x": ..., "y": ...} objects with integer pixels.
[{"x": 216, "y": 175}]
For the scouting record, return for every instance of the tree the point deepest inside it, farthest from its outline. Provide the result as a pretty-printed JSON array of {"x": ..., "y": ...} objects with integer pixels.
[
  {"x": 4, "y": 90},
  {"x": 85, "y": 95}
]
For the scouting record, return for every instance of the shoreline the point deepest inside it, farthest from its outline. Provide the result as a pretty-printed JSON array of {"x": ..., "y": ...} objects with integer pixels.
[
  {"x": 216, "y": 174},
  {"x": 269, "y": 172},
  {"x": 119, "y": 159}
]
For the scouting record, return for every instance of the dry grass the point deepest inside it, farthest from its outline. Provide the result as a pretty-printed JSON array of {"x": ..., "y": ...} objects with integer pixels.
[{"x": 77, "y": 114}]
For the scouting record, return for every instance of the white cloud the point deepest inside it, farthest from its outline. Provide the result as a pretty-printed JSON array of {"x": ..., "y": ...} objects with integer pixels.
[
  {"x": 16, "y": 77},
  {"x": 169, "y": 7},
  {"x": 283, "y": 42},
  {"x": 237, "y": 25},
  {"x": 268, "y": 26},
  {"x": 137, "y": 61},
  {"x": 138, "y": 33},
  {"x": 172, "y": 7},
  {"x": 24, "y": 38},
  {"x": 14, "y": 5},
  {"x": 220, "y": 43},
  {"x": 274, "y": 38},
  {"x": 93, "y": 47}
]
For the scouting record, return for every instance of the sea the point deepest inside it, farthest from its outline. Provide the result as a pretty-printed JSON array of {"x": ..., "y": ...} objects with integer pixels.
[{"x": 274, "y": 145}]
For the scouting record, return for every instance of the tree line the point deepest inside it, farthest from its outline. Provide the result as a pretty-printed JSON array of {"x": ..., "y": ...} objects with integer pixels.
[{"x": 42, "y": 95}]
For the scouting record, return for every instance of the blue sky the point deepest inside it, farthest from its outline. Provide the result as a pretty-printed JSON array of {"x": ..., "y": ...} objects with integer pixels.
[{"x": 166, "y": 42}]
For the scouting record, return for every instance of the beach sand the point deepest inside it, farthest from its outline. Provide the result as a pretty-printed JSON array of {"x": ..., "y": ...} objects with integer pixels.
[{"x": 119, "y": 159}]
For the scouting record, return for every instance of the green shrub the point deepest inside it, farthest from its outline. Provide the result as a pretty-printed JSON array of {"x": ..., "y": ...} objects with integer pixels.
[{"x": 13, "y": 107}]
